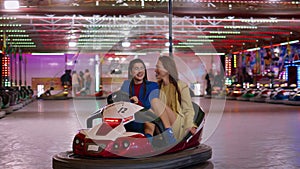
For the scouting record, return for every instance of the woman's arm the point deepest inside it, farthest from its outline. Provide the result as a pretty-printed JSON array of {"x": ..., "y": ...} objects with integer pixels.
[
  {"x": 187, "y": 107},
  {"x": 125, "y": 86},
  {"x": 166, "y": 115}
]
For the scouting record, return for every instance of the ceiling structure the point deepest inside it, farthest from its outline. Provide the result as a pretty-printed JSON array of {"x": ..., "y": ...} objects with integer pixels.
[{"x": 205, "y": 26}]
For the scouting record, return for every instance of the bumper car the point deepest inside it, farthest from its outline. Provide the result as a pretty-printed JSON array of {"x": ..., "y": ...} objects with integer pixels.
[
  {"x": 218, "y": 93},
  {"x": 294, "y": 98},
  {"x": 82, "y": 94},
  {"x": 248, "y": 94},
  {"x": 63, "y": 95},
  {"x": 28, "y": 94},
  {"x": 2, "y": 113},
  {"x": 237, "y": 91},
  {"x": 262, "y": 96},
  {"x": 282, "y": 94},
  {"x": 15, "y": 101},
  {"x": 279, "y": 96},
  {"x": 108, "y": 145},
  {"x": 6, "y": 100}
]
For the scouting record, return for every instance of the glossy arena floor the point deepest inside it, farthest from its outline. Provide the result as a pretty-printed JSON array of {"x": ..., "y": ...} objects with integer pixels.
[{"x": 249, "y": 135}]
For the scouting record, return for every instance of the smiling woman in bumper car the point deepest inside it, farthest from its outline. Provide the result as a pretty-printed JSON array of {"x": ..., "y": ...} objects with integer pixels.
[{"x": 110, "y": 145}]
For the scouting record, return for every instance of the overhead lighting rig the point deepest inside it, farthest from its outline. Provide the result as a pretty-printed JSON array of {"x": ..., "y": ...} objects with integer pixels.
[{"x": 11, "y": 4}]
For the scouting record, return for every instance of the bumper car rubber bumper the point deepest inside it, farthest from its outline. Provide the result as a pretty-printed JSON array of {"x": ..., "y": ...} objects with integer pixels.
[
  {"x": 292, "y": 102},
  {"x": 185, "y": 158}
]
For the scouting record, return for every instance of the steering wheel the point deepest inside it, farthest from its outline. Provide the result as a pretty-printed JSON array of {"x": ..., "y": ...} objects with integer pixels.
[{"x": 118, "y": 96}]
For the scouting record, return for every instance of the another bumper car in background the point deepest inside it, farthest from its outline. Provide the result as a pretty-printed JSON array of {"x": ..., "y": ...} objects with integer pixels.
[
  {"x": 62, "y": 95},
  {"x": 294, "y": 98},
  {"x": 248, "y": 93},
  {"x": 262, "y": 95},
  {"x": 218, "y": 93},
  {"x": 235, "y": 92},
  {"x": 280, "y": 95},
  {"x": 83, "y": 94}
]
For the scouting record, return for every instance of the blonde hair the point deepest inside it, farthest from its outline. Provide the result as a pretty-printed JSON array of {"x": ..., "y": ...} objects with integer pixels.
[{"x": 170, "y": 65}]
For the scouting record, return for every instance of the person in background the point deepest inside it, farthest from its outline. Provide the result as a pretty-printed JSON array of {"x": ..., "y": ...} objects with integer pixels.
[
  {"x": 176, "y": 95},
  {"x": 75, "y": 83},
  {"x": 208, "y": 82},
  {"x": 66, "y": 78},
  {"x": 87, "y": 81},
  {"x": 81, "y": 83},
  {"x": 219, "y": 79}
]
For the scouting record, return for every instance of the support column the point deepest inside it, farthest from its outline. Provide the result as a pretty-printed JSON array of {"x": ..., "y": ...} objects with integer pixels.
[
  {"x": 20, "y": 67},
  {"x": 170, "y": 12}
]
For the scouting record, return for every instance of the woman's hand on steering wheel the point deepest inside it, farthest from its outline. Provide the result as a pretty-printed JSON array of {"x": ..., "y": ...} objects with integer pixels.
[
  {"x": 193, "y": 130},
  {"x": 134, "y": 99}
]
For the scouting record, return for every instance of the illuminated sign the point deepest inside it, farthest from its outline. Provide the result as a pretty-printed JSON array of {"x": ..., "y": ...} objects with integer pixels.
[{"x": 5, "y": 71}]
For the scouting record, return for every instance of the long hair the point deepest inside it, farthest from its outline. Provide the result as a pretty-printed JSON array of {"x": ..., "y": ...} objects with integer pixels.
[
  {"x": 130, "y": 77},
  {"x": 170, "y": 65}
]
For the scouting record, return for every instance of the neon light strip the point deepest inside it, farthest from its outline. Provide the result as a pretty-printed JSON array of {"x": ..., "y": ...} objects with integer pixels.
[
  {"x": 298, "y": 76},
  {"x": 234, "y": 61},
  {"x": 253, "y": 49},
  {"x": 291, "y": 42},
  {"x": 208, "y": 54},
  {"x": 151, "y": 18},
  {"x": 46, "y": 54},
  {"x": 129, "y": 53}
]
